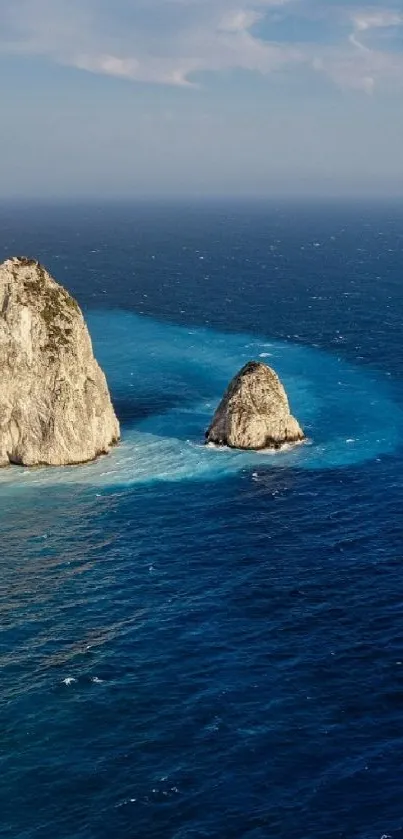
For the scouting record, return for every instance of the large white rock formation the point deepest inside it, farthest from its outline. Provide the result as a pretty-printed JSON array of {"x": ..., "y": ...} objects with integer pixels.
[{"x": 55, "y": 407}]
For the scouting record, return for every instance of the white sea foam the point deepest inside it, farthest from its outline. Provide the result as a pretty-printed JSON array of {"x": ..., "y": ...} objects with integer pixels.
[{"x": 167, "y": 381}]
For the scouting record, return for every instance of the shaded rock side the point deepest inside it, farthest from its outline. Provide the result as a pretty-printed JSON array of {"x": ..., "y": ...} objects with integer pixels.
[
  {"x": 254, "y": 412},
  {"x": 55, "y": 407}
]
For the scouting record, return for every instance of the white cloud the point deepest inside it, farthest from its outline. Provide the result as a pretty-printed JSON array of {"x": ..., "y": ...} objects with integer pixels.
[
  {"x": 376, "y": 20},
  {"x": 171, "y": 41},
  {"x": 239, "y": 21}
]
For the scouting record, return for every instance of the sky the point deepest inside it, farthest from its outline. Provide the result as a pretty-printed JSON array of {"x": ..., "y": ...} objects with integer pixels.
[{"x": 134, "y": 98}]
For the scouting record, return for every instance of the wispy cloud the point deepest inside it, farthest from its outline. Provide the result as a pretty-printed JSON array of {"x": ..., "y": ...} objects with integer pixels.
[
  {"x": 372, "y": 19},
  {"x": 173, "y": 41}
]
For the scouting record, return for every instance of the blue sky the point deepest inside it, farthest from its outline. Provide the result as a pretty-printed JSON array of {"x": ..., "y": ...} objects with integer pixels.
[{"x": 199, "y": 97}]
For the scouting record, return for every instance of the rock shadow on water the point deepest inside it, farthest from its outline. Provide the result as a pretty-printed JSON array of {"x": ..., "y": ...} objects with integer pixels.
[{"x": 132, "y": 410}]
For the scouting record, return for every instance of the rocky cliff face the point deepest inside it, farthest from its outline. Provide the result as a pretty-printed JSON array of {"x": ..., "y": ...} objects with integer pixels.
[
  {"x": 254, "y": 412},
  {"x": 55, "y": 407}
]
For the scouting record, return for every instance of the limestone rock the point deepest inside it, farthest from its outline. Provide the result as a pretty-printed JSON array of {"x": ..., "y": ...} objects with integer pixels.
[
  {"x": 55, "y": 407},
  {"x": 254, "y": 412}
]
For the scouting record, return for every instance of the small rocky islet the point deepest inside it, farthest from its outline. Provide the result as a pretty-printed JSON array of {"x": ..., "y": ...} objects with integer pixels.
[
  {"x": 55, "y": 406},
  {"x": 254, "y": 412}
]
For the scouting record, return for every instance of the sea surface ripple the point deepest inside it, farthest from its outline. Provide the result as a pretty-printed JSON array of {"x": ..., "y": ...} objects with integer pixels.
[{"x": 198, "y": 643}]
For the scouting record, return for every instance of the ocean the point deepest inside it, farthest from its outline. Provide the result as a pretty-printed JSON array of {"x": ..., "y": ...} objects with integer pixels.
[{"x": 199, "y": 643}]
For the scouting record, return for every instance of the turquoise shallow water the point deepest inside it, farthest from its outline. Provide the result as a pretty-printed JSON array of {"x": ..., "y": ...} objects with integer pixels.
[
  {"x": 176, "y": 377},
  {"x": 200, "y": 643}
]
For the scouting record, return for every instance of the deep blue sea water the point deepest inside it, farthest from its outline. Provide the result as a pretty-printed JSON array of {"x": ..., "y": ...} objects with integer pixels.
[{"x": 204, "y": 644}]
